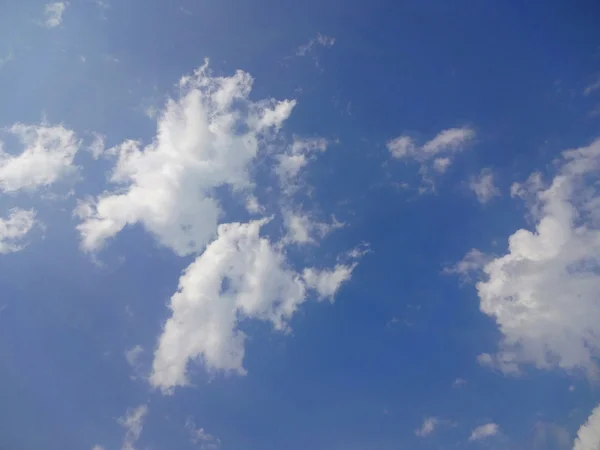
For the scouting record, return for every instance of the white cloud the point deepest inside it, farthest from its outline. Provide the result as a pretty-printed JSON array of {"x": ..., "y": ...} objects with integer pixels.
[
  {"x": 14, "y": 228},
  {"x": 448, "y": 141},
  {"x": 133, "y": 422},
  {"x": 98, "y": 447},
  {"x": 96, "y": 148},
  {"x": 483, "y": 186},
  {"x": 296, "y": 158},
  {"x": 440, "y": 165},
  {"x": 428, "y": 427},
  {"x": 504, "y": 362},
  {"x": 529, "y": 188},
  {"x": 199, "y": 436},
  {"x": 459, "y": 382},
  {"x": 543, "y": 293},
  {"x": 588, "y": 436},
  {"x": 133, "y": 355},
  {"x": 320, "y": 40},
  {"x": 484, "y": 432},
  {"x": 473, "y": 261},
  {"x": 103, "y": 4},
  {"x": 53, "y": 14},
  {"x": 302, "y": 229},
  {"x": 435, "y": 155},
  {"x": 326, "y": 282},
  {"x": 206, "y": 138},
  {"x": 402, "y": 147},
  {"x": 239, "y": 276},
  {"x": 47, "y": 157}
]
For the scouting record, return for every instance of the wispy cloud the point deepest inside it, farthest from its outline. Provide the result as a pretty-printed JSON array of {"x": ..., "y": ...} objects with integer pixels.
[
  {"x": 53, "y": 14},
  {"x": 589, "y": 89},
  {"x": 436, "y": 155},
  {"x": 483, "y": 186},
  {"x": 133, "y": 422},
  {"x": 484, "y": 432},
  {"x": 199, "y": 436},
  {"x": 428, "y": 427},
  {"x": 319, "y": 41},
  {"x": 6, "y": 59}
]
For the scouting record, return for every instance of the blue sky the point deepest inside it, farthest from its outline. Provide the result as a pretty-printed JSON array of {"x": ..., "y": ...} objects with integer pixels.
[{"x": 288, "y": 225}]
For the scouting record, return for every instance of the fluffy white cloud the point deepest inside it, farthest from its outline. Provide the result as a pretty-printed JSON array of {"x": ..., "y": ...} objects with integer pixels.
[
  {"x": 402, "y": 147},
  {"x": 46, "y": 158},
  {"x": 543, "y": 292},
  {"x": 206, "y": 139},
  {"x": 14, "y": 228},
  {"x": 435, "y": 155},
  {"x": 326, "y": 282},
  {"x": 588, "y": 436},
  {"x": 209, "y": 138},
  {"x": 133, "y": 422},
  {"x": 483, "y": 186},
  {"x": 53, "y": 14},
  {"x": 239, "y": 276},
  {"x": 428, "y": 427},
  {"x": 484, "y": 432}
]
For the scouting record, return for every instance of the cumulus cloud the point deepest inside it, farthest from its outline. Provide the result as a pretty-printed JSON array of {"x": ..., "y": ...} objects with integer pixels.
[
  {"x": 483, "y": 186},
  {"x": 428, "y": 427},
  {"x": 484, "y": 432},
  {"x": 588, "y": 436},
  {"x": 435, "y": 155},
  {"x": 240, "y": 275},
  {"x": 14, "y": 228},
  {"x": 46, "y": 158},
  {"x": 53, "y": 14},
  {"x": 207, "y": 138},
  {"x": 326, "y": 282},
  {"x": 543, "y": 293},
  {"x": 133, "y": 422}
]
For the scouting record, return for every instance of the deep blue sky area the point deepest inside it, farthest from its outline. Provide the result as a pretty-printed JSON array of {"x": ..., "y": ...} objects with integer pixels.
[{"x": 422, "y": 116}]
